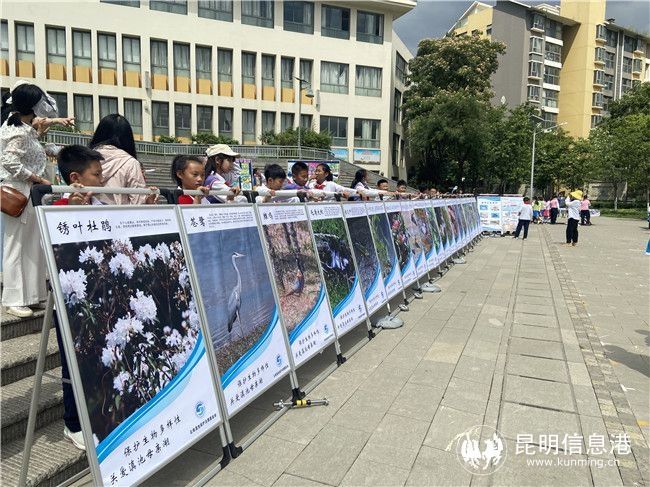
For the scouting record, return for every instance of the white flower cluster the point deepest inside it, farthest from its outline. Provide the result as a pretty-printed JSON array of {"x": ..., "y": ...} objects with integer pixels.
[
  {"x": 91, "y": 254},
  {"x": 73, "y": 285},
  {"x": 143, "y": 306}
]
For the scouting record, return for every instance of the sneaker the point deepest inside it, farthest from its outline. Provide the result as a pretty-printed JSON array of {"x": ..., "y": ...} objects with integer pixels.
[
  {"x": 20, "y": 311},
  {"x": 77, "y": 438}
]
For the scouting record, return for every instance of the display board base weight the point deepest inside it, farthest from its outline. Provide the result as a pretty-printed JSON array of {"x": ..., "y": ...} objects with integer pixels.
[{"x": 429, "y": 287}]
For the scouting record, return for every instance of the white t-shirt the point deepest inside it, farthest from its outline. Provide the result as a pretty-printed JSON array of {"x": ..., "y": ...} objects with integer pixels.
[
  {"x": 327, "y": 186},
  {"x": 526, "y": 212},
  {"x": 264, "y": 192},
  {"x": 573, "y": 207}
]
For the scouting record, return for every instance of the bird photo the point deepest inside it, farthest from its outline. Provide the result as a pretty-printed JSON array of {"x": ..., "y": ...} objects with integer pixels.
[
  {"x": 295, "y": 269},
  {"x": 236, "y": 290},
  {"x": 335, "y": 257}
]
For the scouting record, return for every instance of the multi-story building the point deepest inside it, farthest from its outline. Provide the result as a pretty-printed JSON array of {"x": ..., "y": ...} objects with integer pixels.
[
  {"x": 566, "y": 59},
  {"x": 178, "y": 67}
]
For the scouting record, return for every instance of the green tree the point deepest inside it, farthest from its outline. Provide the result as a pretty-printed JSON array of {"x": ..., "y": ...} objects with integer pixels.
[
  {"x": 446, "y": 107},
  {"x": 204, "y": 138},
  {"x": 309, "y": 138},
  {"x": 634, "y": 101}
]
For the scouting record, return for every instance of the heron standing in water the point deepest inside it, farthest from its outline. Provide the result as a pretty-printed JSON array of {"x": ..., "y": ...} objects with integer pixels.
[{"x": 234, "y": 301}]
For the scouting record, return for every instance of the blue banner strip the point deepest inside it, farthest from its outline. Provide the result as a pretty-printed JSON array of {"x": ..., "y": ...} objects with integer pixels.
[
  {"x": 347, "y": 299},
  {"x": 309, "y": 318}
]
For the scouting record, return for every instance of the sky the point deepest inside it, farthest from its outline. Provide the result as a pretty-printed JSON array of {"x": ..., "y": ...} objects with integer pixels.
[{"x": 433, "y": 18}]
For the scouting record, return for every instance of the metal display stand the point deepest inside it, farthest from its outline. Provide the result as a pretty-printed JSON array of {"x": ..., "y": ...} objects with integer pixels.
[{"x": 37, "y": 193}]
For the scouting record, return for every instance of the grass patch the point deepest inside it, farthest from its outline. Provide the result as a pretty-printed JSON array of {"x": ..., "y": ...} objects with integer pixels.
[{"x": 634, "y": 213}]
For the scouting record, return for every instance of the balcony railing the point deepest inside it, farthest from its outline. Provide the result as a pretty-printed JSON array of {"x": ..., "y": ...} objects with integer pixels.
[{"x": 160, "y": 149}]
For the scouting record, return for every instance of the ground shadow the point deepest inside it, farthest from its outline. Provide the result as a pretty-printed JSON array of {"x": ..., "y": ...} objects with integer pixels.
[{"x": 635, "y": 361}]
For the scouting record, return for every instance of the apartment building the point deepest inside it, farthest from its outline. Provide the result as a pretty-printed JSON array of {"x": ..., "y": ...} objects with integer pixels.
[
  {"x": 179, "y": 67},
  {"x": 568, "y": 59}
]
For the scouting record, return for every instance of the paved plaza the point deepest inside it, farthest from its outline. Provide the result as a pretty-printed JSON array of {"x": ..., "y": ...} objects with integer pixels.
[{"x": 529, "y": 337}]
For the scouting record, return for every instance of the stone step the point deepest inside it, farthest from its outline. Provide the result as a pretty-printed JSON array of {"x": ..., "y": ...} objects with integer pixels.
[
  {"x": 16, "y": 398},
  {"x": 53, "y": 459},
  {"x": 14, "y": 327},
  {"x": 19, "y": 355}
]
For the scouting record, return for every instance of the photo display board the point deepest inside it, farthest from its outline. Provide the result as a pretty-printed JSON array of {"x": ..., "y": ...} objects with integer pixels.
[
  {"x": 401, "y": 242},
  {"x": 237, "y": 299},
  {"x": 510, "y": 206},
  {"x": 296, "y": 274},
  {"x": 489, "y": 208},
  {"x": 369, "y": 268},
  {"x": 339, "y": 273},
  {"x": 438, "y": 251},
  {"x": 132, "y": 336},
  {"x": 383, "y": 239}
]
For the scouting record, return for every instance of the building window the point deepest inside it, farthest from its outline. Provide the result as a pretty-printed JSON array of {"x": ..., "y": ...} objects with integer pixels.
[
  {"x": 600, "y": 55},
  {"x": 611, "y": 37},
  {"x": 553, "y": 29},
  {"x": 257, "y": 12},
  {"x": 636, "y": 66},
  {"x": 550, "y": 98},
  {"x": 217, "y": 10},
  {"x": 550, "y": 119},
  {"x": 4, "y": 40},
  {"x": 602, "y": 33},
  {"x": 160, "y": 118},
  {"x": 627, "y": 65},
  {"x": 286, "y": 121},
  {"x": 368, "y": 82},
  {"x": 397, "y": 106},
  {"x": 107, "y": 106},
  {"x": 599, "y": 77},
  {"x": 334, "y": 77},
  {"x": 61, "y": 100},
  {"x": 598, "y": 100},
  {"x": 299, "y": 17},
  {"x": 400, "y": 69},
  {"x": 366, "y": 133},
  {"x": 159, "y": 57},
  {"x": 224, "y": 65},
  {"x": 133, "y": 113},
  {"x": 286, "y": 65},
  {"x": 551, "y": 75},
  {"x": 610, "y": 60},
  {"x": 488, "y": 30},
  {"x": 337, "y": 127},
  {"x": 595, "y": 120},
  {"x": 268, "y": 122},
  {"x": 306, "y": 121},
  {"x": 173, "y": 6},
  {"x": 306, "y": 66},
  {"x": 534, "y": 69},
  {"x": 533, "y": 93},
  {"x": 81, "y": 49},
  {"x": 370, "y": 27},
  {"x": 124, "y": 3},
  {"x": 225, "y": 122},
  {"x": 107, "y": 51},
  {"x": 609, "y": 82},
  {"x": 204, "y": 119},
  {"x": 553, "y": 52},
  {"x": 537, "y": 22},
  {"x": 248, "y": 68},
  {"x": 268, "y": 70},
  {"x": 536, "y": 44},
  {"x": 25, "y": 42},
  {"x": 626, "y": 85},
  {"x": 203, "y": 62},
  {"x": 395, "y": 150},
  {"x": 248, "y": 126},
  {"x": 83, "y": 113},
  {"x": 629, "y": 44},
  {"x": 606, "y": 101},
  {"x": 335, "y": 22},
  {"x": 183, "y": 120},
  {"x": 55, "y": 45},
  {"x": 131, "y": 54},
  {"x": 181, "y": 60}
]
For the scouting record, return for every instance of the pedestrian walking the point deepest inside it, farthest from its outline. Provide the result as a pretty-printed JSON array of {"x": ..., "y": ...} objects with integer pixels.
[
  {"x": 537, "y": 210},
  {"x": 573, "y": 209},
  {"x": 585, "y": 214},
  {"x": 555, "y": 209},
  {"x": 525, "y": 216}
]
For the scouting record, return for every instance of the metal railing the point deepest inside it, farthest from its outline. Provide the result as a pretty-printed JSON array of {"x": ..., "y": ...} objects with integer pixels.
[{"x": 161, "y": 149}]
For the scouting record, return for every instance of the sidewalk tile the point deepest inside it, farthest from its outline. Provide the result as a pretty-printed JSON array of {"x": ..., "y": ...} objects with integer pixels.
[
  {"x": 447, "y": 425},
  {"x": 367, "y": 473},
  {"x": 468, "y": 396},
  {"x": 519, "y": 419},
  {"x": 439, "y": 468},
  {"x": 417, "y": 401},
  {"x": 536, "y": 348},
  {"x": 537, "y": 392},
  {"x": 537, "y": 367}
]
